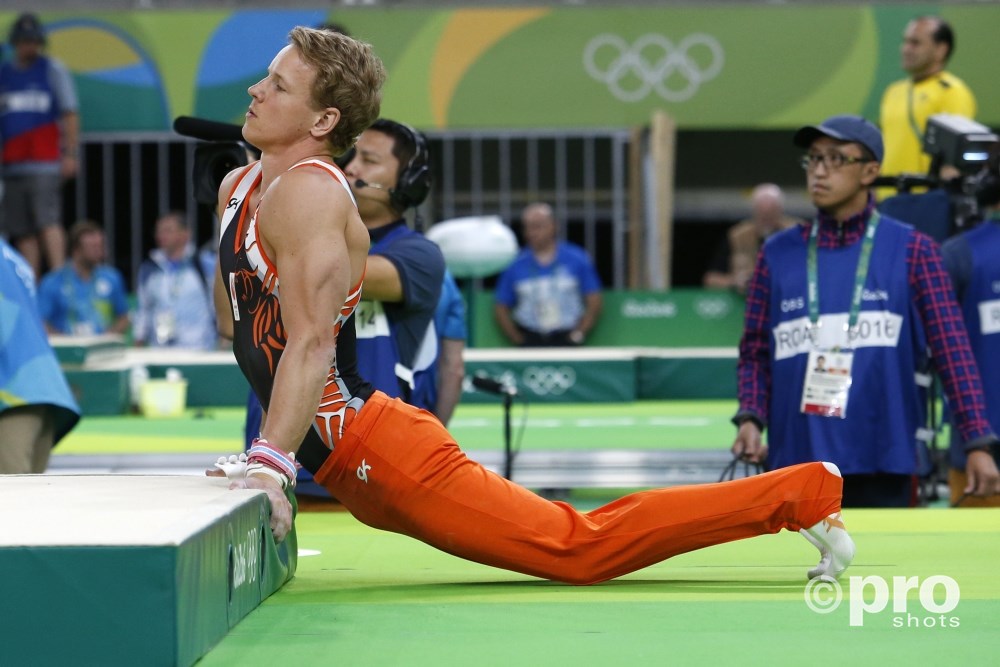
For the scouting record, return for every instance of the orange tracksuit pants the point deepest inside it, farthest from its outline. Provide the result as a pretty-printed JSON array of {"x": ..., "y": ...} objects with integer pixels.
[{"x": 397, "y": 468}]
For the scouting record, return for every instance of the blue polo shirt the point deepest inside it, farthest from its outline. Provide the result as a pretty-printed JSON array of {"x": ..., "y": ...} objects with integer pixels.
[
  {"x": 71, "y": 305},
  {"x": 547, "y": 298}
]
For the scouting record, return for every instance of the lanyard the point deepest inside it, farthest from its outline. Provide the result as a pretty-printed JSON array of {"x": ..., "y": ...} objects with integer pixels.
[
  {"x": 909, "y": 112},
  {"x": 860, "y": 275},
  {"x": 81, "y": 310}
]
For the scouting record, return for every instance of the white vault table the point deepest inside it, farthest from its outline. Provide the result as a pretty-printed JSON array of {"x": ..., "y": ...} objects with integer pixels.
[{"x": 130, "y": 569}]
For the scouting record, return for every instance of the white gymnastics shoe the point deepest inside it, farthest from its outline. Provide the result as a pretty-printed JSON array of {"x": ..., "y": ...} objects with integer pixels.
[{"x": 836, "y": 548}]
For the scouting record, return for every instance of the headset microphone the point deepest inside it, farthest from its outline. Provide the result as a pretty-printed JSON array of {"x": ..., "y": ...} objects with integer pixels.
[{"x": 365, "y": 184}]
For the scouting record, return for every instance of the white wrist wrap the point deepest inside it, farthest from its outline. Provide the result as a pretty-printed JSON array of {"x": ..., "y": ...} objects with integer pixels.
[{"x": 265, "y": 454}]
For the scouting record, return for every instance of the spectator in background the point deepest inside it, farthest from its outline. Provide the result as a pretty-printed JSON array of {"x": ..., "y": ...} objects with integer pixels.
[
  {"x": 86, "y": 296},
  {"x": 175, "y": 306},
  {"x": 550, "y": 295},
  {"x": 733, "y": 263},
  {"x": 928, "y": 43},
  {"x": 973, "y": 262},
  {"x": 39, "y": 127},
  {"x": 870, "y": 294},
  {"x": 36, "y": 405}
]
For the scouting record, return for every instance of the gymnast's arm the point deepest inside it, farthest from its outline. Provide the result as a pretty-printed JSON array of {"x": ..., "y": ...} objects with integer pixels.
[{"x": 302, "y": 226}]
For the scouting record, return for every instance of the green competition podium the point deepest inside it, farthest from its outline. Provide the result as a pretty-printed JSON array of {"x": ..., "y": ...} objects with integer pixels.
[
  {"x": 130, "y": 570},
  {"x": 81, "y": 351},
  {"x": 103, "y": 383}
]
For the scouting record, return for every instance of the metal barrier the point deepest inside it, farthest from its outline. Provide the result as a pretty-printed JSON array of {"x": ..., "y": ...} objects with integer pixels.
[
  {"x": 583, "y": 174},
  {"x": 127, "y": 180}
]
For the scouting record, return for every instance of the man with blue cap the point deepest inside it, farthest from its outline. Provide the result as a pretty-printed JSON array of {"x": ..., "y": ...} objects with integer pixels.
[
  {"x": 40, "y": 128},
  {"x": 871, "y": 295}
]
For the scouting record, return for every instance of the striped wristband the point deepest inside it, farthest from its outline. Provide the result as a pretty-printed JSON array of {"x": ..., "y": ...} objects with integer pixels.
[{"x": 266, "y": 458}]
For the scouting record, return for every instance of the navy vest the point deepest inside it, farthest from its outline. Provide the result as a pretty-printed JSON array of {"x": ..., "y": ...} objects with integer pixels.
[
  {"x": 885, "y": 406},
  {"x": 981, "y": 311}
]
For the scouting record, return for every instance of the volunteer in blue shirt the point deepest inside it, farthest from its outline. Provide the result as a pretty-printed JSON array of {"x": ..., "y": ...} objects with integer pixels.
[
  {"x": 550, "y": 295},
  {"x": 36, "y": 405},
  {"x": 39, "y": 128},
  {"x": 86, "y": 296}
]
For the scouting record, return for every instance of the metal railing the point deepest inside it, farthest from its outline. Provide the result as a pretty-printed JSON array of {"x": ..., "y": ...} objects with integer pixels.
[
  {"x": 127, "y": 180},
  {"x": 581, "y": 173}
]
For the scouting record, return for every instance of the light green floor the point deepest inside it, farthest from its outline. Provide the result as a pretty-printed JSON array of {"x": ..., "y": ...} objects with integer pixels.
[
  {"x": 640, "y": 425},
  {"x": 372, "y": 598}
]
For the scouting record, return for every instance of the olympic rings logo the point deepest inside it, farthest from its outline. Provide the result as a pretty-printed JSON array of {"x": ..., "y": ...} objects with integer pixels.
[
  {"x": 549, "y": 380},
  {"x": 631, "y": 72}
]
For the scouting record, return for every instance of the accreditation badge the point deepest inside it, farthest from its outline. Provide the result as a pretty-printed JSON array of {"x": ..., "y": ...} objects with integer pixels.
[
  {"x": 828, "y": 381},
  {"x": 165, "y": 323},
  {"x": 549, "y": 315}
]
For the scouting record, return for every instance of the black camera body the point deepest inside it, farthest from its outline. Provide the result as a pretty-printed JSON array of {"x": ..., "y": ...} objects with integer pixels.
[
  {"x": 959, "y": 142},
  {"x": 955, "y": 204},
  {"x": 212, "y": 161}
]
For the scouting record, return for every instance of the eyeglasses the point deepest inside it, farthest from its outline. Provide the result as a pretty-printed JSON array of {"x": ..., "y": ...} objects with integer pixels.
[{"x": 830, "y": 161}]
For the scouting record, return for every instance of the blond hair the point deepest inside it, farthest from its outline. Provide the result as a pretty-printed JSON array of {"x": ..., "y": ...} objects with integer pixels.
[{"x": 349, "y": 77}]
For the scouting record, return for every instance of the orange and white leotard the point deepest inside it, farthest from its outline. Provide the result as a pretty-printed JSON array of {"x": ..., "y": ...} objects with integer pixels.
[{"x": 259, "y": 336}]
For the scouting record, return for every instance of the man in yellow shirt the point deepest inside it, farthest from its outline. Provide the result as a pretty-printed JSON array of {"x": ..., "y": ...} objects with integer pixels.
[{"x": 907, "y": 104}]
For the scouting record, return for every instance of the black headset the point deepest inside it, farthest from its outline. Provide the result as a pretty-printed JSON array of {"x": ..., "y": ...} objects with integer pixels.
[{"x": 414, "y": 180}]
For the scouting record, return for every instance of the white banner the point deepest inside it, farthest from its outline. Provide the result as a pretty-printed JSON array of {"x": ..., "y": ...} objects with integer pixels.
[
  {"x": 370, "y": 320},
  {"x": 989, "y": 317},
  {"x": 875, "y": 328}
]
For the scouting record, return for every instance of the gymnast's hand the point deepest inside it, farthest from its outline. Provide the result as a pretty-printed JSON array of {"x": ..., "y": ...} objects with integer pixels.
[
  {"x": 234, "y": 467},
  {"x": 281, "y": 509}
]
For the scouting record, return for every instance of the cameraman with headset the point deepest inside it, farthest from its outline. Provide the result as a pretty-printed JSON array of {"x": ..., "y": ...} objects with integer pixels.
[
  {"x": 397, "y": 341},
  {"x": 971, "y": 261}
]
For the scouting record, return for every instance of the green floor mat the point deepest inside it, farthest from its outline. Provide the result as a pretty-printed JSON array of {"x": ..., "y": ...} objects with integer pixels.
[{"x": 377, "y": 599}]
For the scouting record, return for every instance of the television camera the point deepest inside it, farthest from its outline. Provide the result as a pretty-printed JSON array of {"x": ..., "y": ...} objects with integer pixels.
[{"x": 971, "y": 149}]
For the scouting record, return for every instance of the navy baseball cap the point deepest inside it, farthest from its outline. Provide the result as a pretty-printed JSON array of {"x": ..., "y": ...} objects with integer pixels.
[
  {"x": 843, "y": 128},
  {"x": 27, "y": 28}
]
